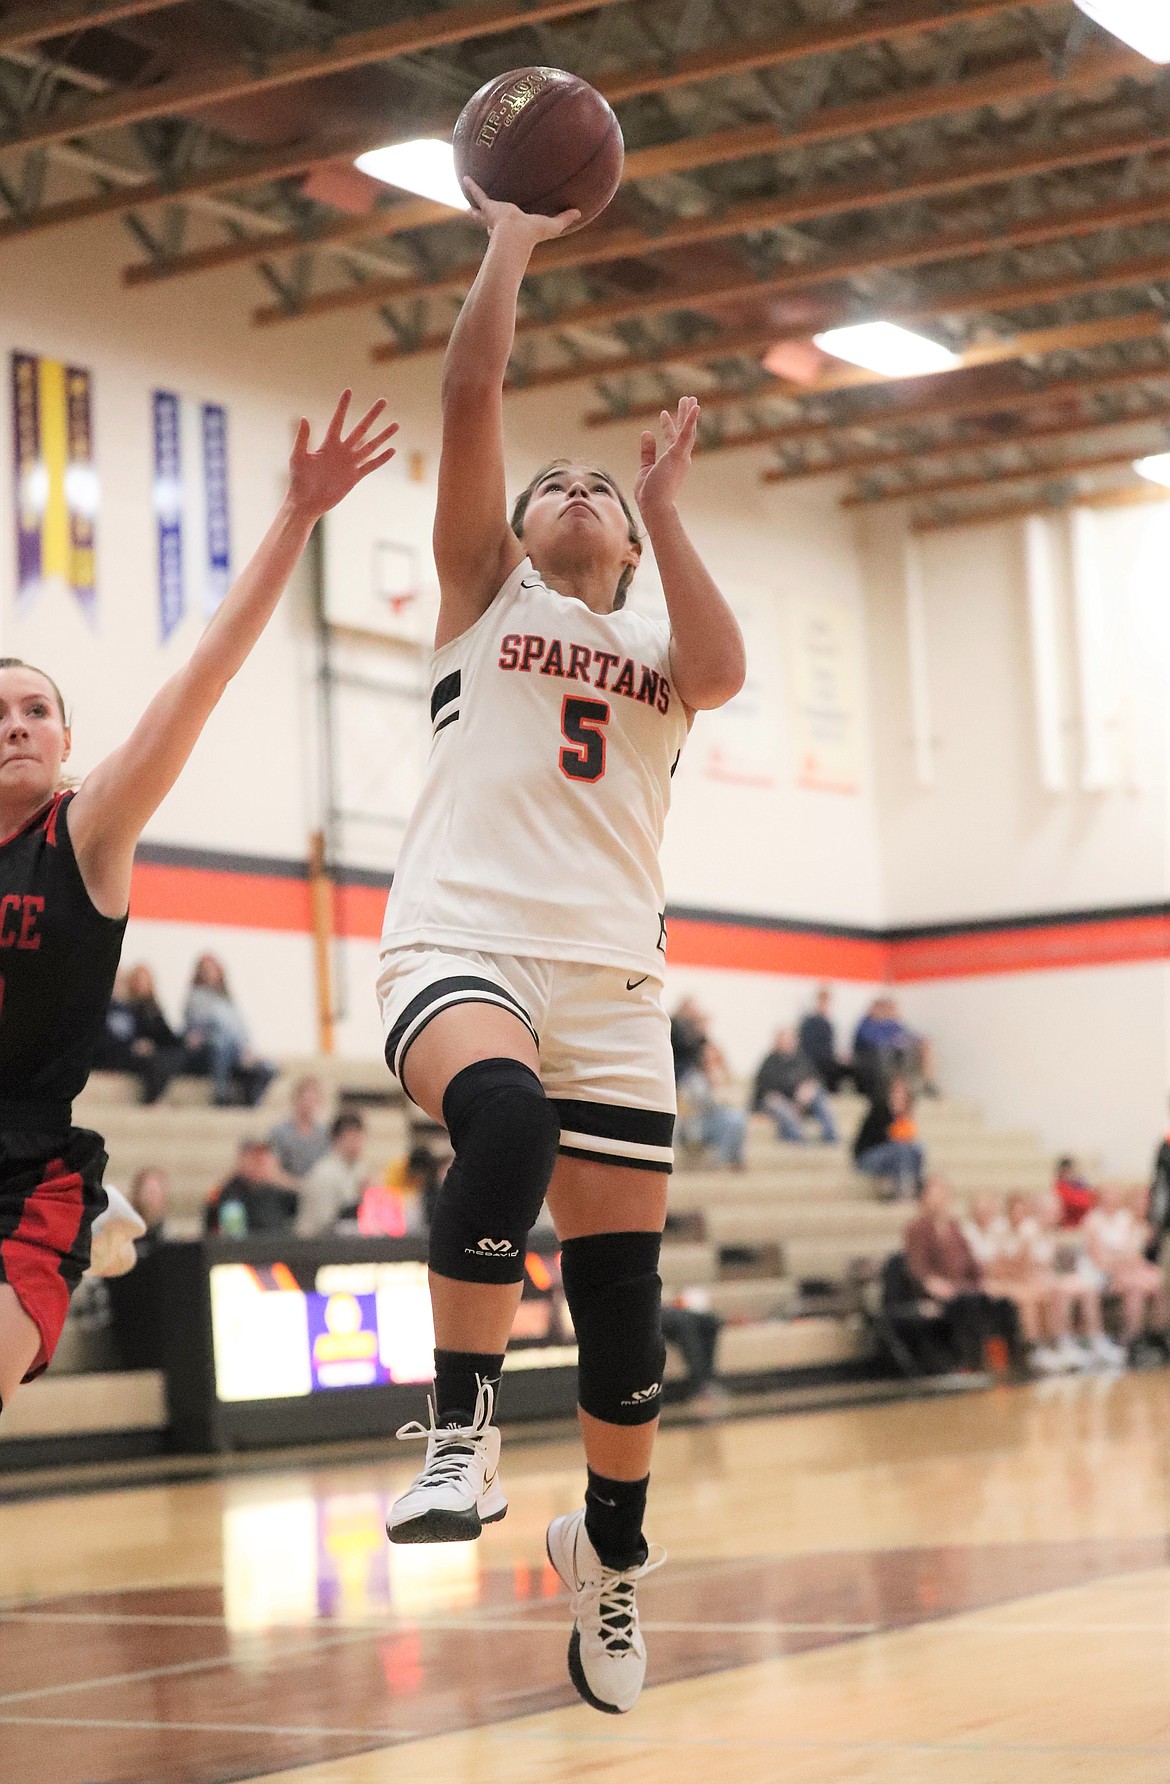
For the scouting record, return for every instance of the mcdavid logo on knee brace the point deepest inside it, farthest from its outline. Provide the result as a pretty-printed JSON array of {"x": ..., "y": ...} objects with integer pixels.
[
  {"x": 493, "y": 1248},
  {"x": 640, "y": 1396}
]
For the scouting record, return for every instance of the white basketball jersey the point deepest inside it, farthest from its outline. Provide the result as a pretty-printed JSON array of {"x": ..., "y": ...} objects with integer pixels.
[{"x": 556, "y": 732}]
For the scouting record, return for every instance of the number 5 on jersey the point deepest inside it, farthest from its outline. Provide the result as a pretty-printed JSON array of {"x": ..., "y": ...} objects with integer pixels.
[{"x": 581, "y": 723}]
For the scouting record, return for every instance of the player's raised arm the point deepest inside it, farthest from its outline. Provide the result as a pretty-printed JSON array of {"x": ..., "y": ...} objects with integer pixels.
[
  {"x": 108, "y": 814},
  {"x": 706, "y": 650},
  {"x": 475, "y": 549}
]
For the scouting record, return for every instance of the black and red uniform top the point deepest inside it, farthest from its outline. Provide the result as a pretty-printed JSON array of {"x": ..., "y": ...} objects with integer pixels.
[{"x": 58, "y": 958}]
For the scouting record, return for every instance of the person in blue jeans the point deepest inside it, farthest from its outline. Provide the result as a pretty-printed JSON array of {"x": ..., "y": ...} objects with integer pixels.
[
  {"x": 886, "y": 1145},
  {"x": 788, "y": 1089},
  {"x": 704, "y": 1119},
  {"x": 216, "y": 1031}
]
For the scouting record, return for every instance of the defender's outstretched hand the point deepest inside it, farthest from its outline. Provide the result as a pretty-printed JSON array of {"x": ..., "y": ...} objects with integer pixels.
[
  {"x": 533, "y": 227},
  {"x": 318, "y": 480},
  {"x": 660, "y": 479}
]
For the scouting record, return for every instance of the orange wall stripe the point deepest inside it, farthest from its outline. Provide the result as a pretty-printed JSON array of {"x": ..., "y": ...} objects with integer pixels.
[
  {"x": 280, "y": 903},
  {"x": 738, "y": 948},
  {"x": 1107, "y": 942},
  {"x": 209, "y": 895}
]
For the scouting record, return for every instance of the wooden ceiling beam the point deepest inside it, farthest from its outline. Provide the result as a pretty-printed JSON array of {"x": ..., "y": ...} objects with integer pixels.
[
  {"x": 1105, "y": 331},
  {"x": 36, "y": 23},
  {"x": 1032, "y": 78},
  {"x": 1128, "y": 495},
  {"x": 861, "y": 464},
  {"x": 953, "y": 408},
  {"x": 1014, "y": 83},
  {"x": 1097, "y": 461},
  {"x": 876, "y": 24},
  {"x": 826, "y": 273},
  {"x": 832, "y": 199},
  {"x": 239, "y": 80}
]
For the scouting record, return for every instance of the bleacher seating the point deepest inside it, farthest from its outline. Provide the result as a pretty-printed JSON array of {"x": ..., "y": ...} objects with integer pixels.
[{"x": 764, "y": 1244}]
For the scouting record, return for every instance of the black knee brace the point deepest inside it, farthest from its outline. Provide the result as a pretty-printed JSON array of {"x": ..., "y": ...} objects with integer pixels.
[
  {"x": 505, "y": 1132},
  {"x": 614, "y": 1293}
]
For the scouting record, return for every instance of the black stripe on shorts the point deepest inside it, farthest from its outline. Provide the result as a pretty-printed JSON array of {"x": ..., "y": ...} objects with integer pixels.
[
  {"x": 444, "y": 994},
  {"x": 643, "y": 1137}
]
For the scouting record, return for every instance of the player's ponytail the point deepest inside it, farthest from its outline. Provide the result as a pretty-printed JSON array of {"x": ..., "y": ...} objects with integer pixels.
[{"x": 635, "y": 537}]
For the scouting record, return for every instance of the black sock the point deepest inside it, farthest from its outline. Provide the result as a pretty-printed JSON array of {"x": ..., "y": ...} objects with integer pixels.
[
  {"x": 457, "y": 1377},
  {"x": 614, "y": 1510}
]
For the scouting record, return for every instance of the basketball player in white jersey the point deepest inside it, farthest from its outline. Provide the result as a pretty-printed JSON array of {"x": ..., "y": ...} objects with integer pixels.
[{"x": 524, "y": 947}]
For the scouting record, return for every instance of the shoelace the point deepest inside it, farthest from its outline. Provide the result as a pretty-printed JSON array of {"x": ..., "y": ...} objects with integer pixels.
[
  {"x": 454, "y": 1444},
  {"x": 616, "y": 1602}
]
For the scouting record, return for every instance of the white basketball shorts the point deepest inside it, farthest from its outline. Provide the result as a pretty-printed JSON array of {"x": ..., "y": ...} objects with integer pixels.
[{"x": 601, "y": 1032}]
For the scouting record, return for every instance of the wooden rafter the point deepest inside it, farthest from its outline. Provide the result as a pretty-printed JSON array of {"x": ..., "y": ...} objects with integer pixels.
[
  {"x": 1145, "y": 325},
  {"x": 578, "y": 251},
  {"x": 1128, "y": 495},
  {"x": 239, "y": 80},
  {"x": 1015, "y": 82},
  {"x": 1032, "y": 78},
  {"x": 1097, "y": 461},
  {"x": 941, "y": 407},
  {"x": 35, "y": 23},
  {"x": 877, "y": 23},
  {"x": 1144, "y": 269},
  {"x": 832, "y": 199},
  {"x": 861, "y": 464}
]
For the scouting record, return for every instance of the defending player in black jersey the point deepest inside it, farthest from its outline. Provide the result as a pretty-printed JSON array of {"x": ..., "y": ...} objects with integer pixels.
[{"x": 65, "y": 864}]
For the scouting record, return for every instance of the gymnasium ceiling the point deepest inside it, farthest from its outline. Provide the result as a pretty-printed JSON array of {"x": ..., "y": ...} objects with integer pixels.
[{"x": 994, "y": 174}]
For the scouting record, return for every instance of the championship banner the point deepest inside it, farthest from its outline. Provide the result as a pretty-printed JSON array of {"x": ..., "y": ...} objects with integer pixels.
[
  {"x": 191, "y": 506},
  {"x": 56, "y": 480},
  {"x": 826, "y": 675}
]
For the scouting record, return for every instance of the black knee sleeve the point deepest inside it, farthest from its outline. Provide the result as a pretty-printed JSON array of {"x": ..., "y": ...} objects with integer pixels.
[
  {"x": 614, "y": 1293},
  {"x": 505, "y": 1132}
]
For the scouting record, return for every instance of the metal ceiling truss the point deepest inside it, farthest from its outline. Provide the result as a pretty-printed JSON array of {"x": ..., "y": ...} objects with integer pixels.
[{"x": 996, "y": 170}]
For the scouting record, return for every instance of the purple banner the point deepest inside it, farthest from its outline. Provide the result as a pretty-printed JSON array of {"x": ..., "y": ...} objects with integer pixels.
[
  {"x": 215, "y": 490},
  {"x": 29, "y": 472},
  {"x": 168, "y": 509}
]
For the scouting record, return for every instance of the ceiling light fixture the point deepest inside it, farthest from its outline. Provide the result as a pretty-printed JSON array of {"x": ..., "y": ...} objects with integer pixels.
[
  {"x": 884, "y": 347},
  {"x": 426, "y": 167},
  {"x": 1143, "y": 24},
  {"x": 1155, "y": 469}
]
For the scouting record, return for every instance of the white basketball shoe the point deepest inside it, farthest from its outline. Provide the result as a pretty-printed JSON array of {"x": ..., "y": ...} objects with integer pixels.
[
  {"x": 458, "y": 1490},
  {"x": 607, "y": 1655}
]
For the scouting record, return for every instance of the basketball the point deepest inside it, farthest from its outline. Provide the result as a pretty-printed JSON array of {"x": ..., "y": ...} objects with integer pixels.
[{"x": 543, "y": 140}]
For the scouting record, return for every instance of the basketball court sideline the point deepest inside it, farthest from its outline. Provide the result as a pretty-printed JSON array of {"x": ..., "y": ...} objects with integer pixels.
[{"x": 960, "y": 1590}]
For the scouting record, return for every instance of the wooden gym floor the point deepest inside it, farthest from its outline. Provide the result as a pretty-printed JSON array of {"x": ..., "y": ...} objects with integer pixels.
[{"x": 963, "y": 1591}]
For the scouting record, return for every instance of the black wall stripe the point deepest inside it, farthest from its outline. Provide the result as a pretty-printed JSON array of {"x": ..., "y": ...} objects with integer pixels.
[{"x": 445, "y": 691}]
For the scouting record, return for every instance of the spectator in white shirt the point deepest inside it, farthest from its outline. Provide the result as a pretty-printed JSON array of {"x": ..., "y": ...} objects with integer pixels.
[
  {"x": 1116, "y": 1238},
  {"x": 333, "y": 1188}
]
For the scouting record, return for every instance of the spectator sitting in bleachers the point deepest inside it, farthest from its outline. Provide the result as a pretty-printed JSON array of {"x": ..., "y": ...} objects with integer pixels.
[
  {"x": 302, "y": 1137},
  {"x": 425, "y": 1171},
  {"x": 1076, "y": 1196},
  {"x": 393, "y": 1206},
  {"x": 705, "y": 1117},
  {"x": 255, "y": 1198},
  {"x": 943, "y": 1265},
  {"x": 693, "y": 1329},
  {"x": 332, "y": 1188},
  {"x": 149, "y": 1195},
  {"x": 1078, "y": 1283},
  {"x": 788, "y": 1089},
  {"x": 138, "y": 1039},
  {"x": 886, "y": 1144},
  {"x": 1116, "y": 1236},
  {"x": 884, "y": 1048},
  {"x": 818, "y": 1039},
  {"x": 1015, "y": 1263},
  {"x": 215, "y": 1028},
  {"x": 1159, "y": 1246},
  {"x": 689, "y": 1033}
]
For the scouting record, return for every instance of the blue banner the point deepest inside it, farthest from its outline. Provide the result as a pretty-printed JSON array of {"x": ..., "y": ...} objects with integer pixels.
[
  {"x": 215, "y": 486},
  {"x": 168, "y": 508}
]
